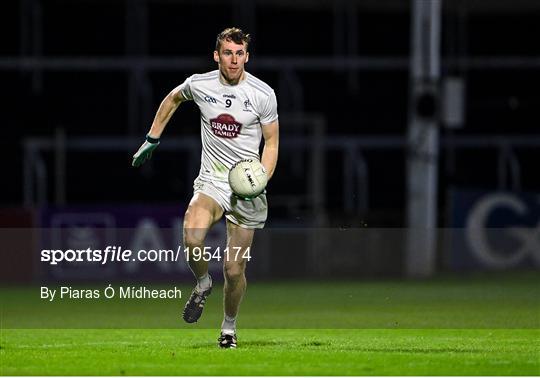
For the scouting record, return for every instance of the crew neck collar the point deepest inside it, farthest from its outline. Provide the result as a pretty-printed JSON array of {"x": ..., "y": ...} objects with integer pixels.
[{"x": 225, "y": 84}]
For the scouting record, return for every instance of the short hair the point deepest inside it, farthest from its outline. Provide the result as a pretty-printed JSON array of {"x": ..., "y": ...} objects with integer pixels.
[{"x": 232, "y": 34}]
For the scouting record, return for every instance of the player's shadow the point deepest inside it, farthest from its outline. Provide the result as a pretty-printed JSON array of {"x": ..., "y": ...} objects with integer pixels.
[
  {"x": 315, "y": 344},
  {"x": 254, "y": 343}
]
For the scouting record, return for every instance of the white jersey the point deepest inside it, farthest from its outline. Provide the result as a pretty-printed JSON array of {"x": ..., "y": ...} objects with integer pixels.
[{"x": 232, "y": 117}]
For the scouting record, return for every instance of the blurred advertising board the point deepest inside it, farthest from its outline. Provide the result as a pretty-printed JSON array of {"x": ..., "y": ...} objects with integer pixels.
[
  {"x": 494, "y": 230},
  {"x": 122, "y": 242}
]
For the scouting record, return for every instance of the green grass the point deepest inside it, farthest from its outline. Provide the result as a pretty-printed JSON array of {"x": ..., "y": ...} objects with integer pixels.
[
  {"x": 271, "y": 352},
  {"x": 480, "y": 325}
]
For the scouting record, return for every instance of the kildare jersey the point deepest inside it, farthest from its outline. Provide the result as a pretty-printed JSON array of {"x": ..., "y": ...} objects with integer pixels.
[{"x": 232, "y": 117}]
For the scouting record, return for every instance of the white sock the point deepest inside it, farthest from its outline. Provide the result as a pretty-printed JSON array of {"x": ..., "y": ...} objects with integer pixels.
[
  {"x": 204, "y": 283},
  {"x": 228, "y": 326}
]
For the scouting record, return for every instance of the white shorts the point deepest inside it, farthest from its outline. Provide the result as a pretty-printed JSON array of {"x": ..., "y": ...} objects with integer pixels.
[{"x": 247, "y": 214}]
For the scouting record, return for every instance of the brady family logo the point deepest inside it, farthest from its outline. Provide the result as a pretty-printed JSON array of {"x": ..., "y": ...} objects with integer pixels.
[{"x": 225, "y": 126}]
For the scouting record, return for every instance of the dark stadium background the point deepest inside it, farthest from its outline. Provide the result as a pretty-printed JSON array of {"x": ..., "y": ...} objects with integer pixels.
[
  {"x": 384, "y": 253},
  {"x": 54, "y": 81}
]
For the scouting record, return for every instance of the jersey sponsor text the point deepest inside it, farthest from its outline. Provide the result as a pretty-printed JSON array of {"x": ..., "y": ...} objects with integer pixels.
[{"x": 225, "y": 126}]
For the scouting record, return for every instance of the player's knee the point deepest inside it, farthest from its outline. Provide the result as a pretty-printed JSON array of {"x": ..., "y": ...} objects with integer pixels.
[
  {"x": 195, "y": 227},
  {"x": 194, "y": 237},
  {"x": 233, "y": 272}
]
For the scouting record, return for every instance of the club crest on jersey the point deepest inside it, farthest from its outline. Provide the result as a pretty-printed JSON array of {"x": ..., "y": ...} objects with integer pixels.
[
  {"x": 247, "y": 106},
  {"x": 225, "y": 126}
]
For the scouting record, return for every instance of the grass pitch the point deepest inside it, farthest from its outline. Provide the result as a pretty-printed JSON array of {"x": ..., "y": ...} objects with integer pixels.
[
  {"x": 271, "y": 352},
  {"x": 480, "y": 326}
]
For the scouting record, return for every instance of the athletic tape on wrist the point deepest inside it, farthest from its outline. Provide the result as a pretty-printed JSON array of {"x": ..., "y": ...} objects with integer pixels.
[{"x": 149, "y": 139}]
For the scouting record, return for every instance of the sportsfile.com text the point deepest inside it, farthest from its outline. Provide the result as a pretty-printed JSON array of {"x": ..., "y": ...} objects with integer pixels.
[{"x": 118, "y": 254}]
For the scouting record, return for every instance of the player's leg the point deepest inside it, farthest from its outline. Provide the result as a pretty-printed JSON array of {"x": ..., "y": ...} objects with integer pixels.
[
  {"x": 203, "y": 211},
  {"x": 239, "y": 241}
]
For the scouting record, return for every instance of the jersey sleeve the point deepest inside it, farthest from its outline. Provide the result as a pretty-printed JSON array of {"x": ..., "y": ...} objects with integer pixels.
[
  {"x": 269, "y": 112},
  {"x": 185, "y": 89}
]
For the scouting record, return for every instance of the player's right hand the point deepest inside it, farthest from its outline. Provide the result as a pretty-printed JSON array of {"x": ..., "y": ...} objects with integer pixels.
[{"x": 145, "y": 151}]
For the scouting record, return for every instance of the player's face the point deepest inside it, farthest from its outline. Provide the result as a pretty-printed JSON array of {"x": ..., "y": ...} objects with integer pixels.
[{"x": 231, "y": 58}]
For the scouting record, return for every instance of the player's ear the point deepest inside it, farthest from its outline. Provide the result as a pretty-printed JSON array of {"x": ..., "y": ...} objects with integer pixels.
[
  {"x": 216, "y": 56},
  {"x": 247, "y": 57}
]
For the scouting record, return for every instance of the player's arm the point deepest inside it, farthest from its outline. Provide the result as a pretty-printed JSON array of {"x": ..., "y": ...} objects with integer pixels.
[
  {"x": 164, "y": 113},
  {"x": 271, "y": 146}
]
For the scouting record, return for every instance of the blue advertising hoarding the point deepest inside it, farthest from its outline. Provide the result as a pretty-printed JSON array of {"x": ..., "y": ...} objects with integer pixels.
[{"x": 494, "y": 230}]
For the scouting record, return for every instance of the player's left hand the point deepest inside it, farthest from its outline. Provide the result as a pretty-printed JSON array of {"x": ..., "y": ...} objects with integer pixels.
[{"x": 145, "y": 151}]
